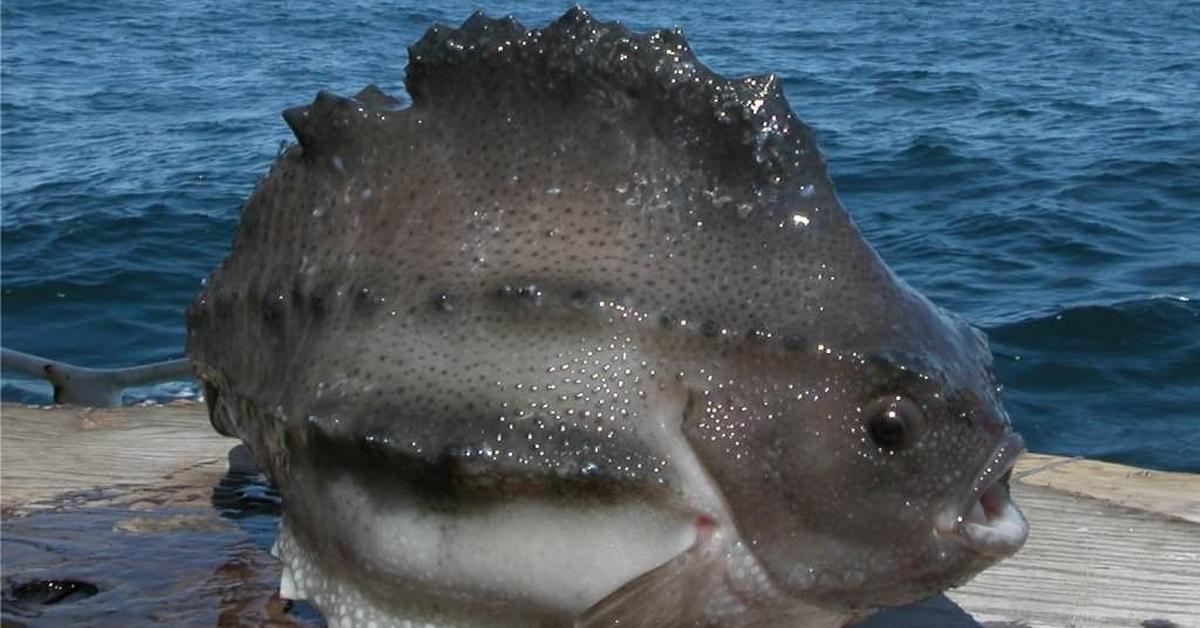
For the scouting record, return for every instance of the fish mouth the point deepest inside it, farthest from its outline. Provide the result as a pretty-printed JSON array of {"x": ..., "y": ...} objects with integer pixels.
[{"x": 987, "y": 521}]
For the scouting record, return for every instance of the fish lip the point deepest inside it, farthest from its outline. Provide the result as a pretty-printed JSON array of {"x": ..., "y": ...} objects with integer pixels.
[{"x": 1004, "y": 528}]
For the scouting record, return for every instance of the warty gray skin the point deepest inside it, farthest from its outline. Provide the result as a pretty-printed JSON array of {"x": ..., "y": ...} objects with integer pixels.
[{"x": 583, "y": 270}]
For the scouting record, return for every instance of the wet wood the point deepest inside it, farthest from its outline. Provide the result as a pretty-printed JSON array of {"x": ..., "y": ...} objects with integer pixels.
[
  {"x": 123, "y": 501},
  {"x": 166, "y": 566},
  {"x": 1110, "y": 545}
]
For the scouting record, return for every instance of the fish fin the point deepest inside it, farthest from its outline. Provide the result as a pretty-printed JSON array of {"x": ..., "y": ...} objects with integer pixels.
[
  {"x": 672, "y": 594},
  {"x": 695, "y": 590},
  {"x": 497, "y": 68}
]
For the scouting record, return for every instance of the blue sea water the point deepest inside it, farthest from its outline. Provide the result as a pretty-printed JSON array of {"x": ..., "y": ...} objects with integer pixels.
[{"x": 1034, "y": 167}]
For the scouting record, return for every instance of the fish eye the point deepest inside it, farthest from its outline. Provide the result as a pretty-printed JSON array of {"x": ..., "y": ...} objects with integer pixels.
[{"x": 893, "y": 422}]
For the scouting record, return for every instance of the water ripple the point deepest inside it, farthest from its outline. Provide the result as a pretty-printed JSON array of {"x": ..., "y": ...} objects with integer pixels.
[{"x": 1031, "y": 166}]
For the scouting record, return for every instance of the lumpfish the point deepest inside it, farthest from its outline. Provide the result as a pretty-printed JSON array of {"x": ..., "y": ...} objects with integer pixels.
[{"x": 583, "y": 336}]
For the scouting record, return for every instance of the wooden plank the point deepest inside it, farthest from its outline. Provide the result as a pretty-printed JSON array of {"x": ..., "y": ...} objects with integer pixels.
[
  {"x": 122, "y": 500},
  {"x": 1090, "y": 563},
  {"x": 45, "y": 453},
  {"x": 1110, "y": 545},
  {"x": 1172, "y": 494}
]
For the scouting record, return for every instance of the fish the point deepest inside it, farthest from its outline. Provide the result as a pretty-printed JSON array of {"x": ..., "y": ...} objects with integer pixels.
[{"x": 582, "y": 336}]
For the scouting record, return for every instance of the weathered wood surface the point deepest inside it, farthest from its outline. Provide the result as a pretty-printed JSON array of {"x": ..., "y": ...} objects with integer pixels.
[
  {"x": 48, "y": 452},
  {"x": 1110, "y": 545}
]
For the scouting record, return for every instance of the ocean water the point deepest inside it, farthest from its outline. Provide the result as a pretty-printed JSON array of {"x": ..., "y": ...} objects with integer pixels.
[{"x": 1034, "y": 168}]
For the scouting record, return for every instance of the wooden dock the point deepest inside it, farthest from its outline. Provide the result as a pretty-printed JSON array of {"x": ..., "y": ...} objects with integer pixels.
[{"x": 122, "y": 498}]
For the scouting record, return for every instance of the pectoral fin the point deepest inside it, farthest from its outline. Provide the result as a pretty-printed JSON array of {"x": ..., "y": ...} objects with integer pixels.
[
  {"x": 673, "y": 594},
  {"x": 695, "y": 589}
]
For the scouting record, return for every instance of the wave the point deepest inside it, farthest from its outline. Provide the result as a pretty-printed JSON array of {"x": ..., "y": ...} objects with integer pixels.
[
  {"x": 1117, "y": 381},
  {"x": 1134, "y": 325}
]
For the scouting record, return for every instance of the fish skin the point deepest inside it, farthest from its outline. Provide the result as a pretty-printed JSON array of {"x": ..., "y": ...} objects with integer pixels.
[{"x": 581, "y": 268}]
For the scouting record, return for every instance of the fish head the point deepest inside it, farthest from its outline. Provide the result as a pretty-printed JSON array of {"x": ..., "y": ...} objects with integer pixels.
[{"x": 875, "y": 470}]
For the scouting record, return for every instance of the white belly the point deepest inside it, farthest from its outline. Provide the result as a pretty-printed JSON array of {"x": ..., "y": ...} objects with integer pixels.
[{"x": 554, "y": 559}]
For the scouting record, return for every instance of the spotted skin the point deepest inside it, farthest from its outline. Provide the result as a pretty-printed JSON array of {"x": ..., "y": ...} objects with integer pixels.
[{"x": 577, "y": 254}]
